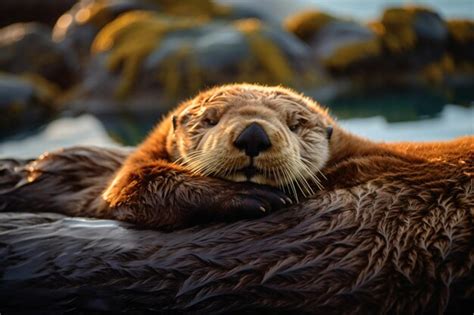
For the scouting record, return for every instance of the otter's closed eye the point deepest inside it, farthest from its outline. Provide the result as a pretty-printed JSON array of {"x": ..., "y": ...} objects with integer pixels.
[
  {"x": 210, "y": 117},
  {"x": 210, "y": 122},
  {"x": 295, "y": 126}
]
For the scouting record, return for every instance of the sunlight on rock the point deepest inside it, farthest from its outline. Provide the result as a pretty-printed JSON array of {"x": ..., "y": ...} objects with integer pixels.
[
  {"x": 266, "y": 52},
  {"x": 131, "y": 38},
  {"x": 461, "y": 30},
  {"x": 398, "y": 33},
  {"x": 307, "y": 23}
]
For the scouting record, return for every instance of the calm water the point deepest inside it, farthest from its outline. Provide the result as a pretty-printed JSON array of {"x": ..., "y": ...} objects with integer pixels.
[
  {"x": 359, "y": 9},
  {"x": 369, "y": 9},
  {"x": 453, "y": 121}
]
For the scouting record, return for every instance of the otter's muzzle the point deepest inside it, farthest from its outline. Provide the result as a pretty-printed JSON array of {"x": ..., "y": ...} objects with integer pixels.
[{"x": 253, "y": 140}]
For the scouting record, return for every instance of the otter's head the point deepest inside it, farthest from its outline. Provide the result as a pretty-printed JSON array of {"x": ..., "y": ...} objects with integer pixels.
[{"x": 265, "y": 135}]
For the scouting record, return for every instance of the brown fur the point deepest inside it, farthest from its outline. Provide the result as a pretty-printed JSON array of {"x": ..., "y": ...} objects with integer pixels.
[
  {"x": 395, "y": 237},
  {"x": 391, "y": 232},
  {"x": 155, "y": 188}
]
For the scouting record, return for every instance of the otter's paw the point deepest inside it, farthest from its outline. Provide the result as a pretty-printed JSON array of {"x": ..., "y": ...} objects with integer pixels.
[{"x": 252, "y": 201}]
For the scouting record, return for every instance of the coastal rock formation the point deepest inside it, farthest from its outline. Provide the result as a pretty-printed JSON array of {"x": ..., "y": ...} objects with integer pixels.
[
  {"x": 143, "y": 59},
  {"x": 25, "y": 103},
  {"x": 27, "y": 48}
]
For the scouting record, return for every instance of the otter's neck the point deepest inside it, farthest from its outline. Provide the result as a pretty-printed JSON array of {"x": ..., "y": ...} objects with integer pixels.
[
  {"x": 354, "y": 160},
  {"x": 344, "y": 145}
]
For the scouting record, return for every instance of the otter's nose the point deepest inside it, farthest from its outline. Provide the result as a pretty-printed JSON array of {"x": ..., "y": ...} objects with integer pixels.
[{"x": 253, "y": 140}]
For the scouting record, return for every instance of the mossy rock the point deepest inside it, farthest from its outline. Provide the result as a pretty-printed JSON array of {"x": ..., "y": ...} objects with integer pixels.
[
  {"x": 346, "y": 47},
  {"x": 145, "y": 53},
  {"x": 461, "y": 40},
  {"x": 26, "y": 102},
  {"x": 42, "y": 11},
  {"x": 306, "y": 24},
  {"x": 77, "y": 28},
  {"x": 412, "y": 31},
  {"x": 27, "y": 48}
]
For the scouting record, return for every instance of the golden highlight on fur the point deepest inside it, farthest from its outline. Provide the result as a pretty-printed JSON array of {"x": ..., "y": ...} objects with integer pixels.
[
  {"x": 391, "y": 231},
  {"x": 207, "y": 126},
  {"x": 192, "y": 169}
]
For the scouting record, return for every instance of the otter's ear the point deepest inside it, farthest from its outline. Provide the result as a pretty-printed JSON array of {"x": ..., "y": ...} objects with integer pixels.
[
  {"x": 174, "y": 118},
  {"x": 329, "y": 132}
]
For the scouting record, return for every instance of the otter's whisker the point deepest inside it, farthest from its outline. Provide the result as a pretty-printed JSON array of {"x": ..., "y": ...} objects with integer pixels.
[
  {"x": 277, "y": 177},
  {"x": 315, "y": 177},
  {"x": 303, "y": 191},
  {"x": 200, "y": 166},
  {"x": 308, "y": 164},
  {"x": 223, "y": 167},
  {"x": 190, "y": 157},
  {"x": 291, "y": 184},
  {"x": 311, "y": 174},
  {"x": 302, "y": 176}
]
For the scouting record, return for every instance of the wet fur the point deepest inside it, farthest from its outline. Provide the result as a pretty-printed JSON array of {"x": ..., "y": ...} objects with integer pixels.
[
  {"x": 150, "y": 187},
  {"x": 392, "y": 232},
  {"x": 396, "y": 235},
  {"x": 186, "y": 170}
]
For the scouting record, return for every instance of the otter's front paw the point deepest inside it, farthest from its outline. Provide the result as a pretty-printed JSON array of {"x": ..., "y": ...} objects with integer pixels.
[{"x": 251, "y": 201}]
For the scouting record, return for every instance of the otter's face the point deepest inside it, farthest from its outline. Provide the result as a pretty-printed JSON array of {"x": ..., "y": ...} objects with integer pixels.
[{"x": 264, "y": 135}]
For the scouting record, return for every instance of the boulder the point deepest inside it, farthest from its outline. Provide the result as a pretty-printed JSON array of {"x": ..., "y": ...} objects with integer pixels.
[
  {"x": 25, "y": 103},
  {"x": 44, "y": 11},
  {"x": 27, "y": 48},
  {"x": 412, "y": 36},
  {"x": 306, "y": 24},
  {"x": 77, "y": 28},
  {"x": 461, "y": 39},
  {"x": 144, "y": 60},
  {"x": 346, "y": 46}
]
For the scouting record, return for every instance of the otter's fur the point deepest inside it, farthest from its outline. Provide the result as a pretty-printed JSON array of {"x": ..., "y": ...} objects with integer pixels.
[
  {"x": 401, "y": 242},
  {"x": 188, "y": 170},
  {"x": 391, "y": 232}
]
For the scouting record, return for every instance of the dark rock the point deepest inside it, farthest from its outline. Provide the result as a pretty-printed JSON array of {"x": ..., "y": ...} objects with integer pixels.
[
  {"x": 412, "y": 37},
  {"x": 428, "y": 26},
  {"x": 176, "y": 57},
  {"x": 77, "y": 28},
  {"x": 344, "y": 46},
  {"x": 306, "y": 24},
  {"x": 44, "y": 11},
  {"x": 461, "y": 40},
  {"x": 29, "y": 49},
  {"x": 25, "y": 103}
]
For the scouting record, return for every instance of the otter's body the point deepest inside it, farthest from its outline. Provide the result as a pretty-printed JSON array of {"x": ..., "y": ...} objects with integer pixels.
[
  {"x": 232, "y": 152},
  {"x": 397, "y": 238}
]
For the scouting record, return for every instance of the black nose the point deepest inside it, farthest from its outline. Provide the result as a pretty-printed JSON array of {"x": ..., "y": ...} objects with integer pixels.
[{"x": 253, "y": 140}]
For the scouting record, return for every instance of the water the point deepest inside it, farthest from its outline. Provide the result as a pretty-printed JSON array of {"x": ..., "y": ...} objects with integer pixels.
[
  {"x": 371, "y": 9},
  {"x": 453, "y": 121},
  {"x": 359, "y": 9}
]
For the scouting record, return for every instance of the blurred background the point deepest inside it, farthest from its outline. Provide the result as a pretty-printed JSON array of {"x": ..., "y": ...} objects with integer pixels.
[{"x": 104, "y": 72}]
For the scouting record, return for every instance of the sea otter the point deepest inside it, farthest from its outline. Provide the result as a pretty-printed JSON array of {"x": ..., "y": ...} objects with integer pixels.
[{"x": 237, "y": 151}]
